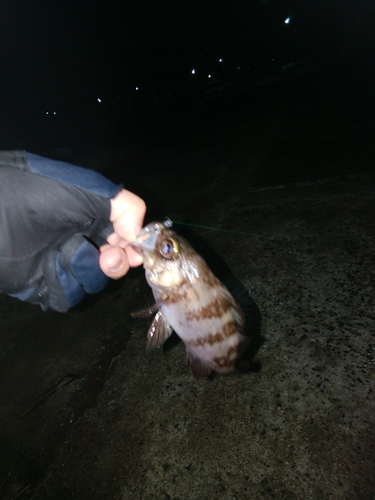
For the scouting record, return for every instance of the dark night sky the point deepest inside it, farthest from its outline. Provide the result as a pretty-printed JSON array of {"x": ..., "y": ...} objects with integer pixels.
[{"x": 52, "y": 51}]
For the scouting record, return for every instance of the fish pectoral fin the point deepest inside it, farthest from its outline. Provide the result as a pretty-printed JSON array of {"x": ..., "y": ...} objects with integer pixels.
[
  {"x": 145, "y": 313},
  {"x": 198, "y": 368},
  {"x": 158, "y": 332}
]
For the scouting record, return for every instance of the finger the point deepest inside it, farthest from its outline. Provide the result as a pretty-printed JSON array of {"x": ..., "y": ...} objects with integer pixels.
[
  {"x": 114, "y": 261},
  {"x": 134, "y": 258},
  {"x": 127, "y": 214},
  {"x": 115, "y": 240}
]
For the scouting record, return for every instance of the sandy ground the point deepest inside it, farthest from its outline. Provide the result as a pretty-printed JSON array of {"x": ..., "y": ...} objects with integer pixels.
[{"x": 85, "y": 414}]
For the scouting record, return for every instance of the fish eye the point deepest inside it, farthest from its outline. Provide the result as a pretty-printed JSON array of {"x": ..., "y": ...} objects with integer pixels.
[{"x": 169, "y": 249}]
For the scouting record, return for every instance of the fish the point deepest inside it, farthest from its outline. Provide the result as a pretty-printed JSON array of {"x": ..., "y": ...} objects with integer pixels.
[{"x": 190, "y": 300}]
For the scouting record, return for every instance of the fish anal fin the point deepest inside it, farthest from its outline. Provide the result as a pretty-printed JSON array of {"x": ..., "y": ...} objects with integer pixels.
[
  {"x": 158, "y": 332},
  {"x": 198, "y": 368}
]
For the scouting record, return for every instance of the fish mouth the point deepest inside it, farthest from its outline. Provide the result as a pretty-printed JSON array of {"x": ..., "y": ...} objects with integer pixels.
[
  {"x": 144, "y": 242},
  {"x": 146, "y": 239}
]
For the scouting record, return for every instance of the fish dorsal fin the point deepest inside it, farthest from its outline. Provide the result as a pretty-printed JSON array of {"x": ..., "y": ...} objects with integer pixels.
[
  {"x": 237, "y": 313},
  {"x": 158, "y": 332},
  {"x": 198, "y": 368},
  {"x": 238, "y": 316}
]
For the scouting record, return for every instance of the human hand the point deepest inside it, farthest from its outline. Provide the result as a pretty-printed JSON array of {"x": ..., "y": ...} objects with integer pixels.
[
  {"x": 53, "y": 217},
  {"x": 127, "y": 214}
]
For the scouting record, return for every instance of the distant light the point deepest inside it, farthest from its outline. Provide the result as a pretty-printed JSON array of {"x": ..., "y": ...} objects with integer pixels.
[
  {"x": 46, "y": 112},
  {"x": 136, "y": 88},
  {"x": 54, "y": 112},
  {"x": 99, "y": 100},
  {"x": 193, "y": 71},
  {"x": 287, "y": 20},
  {"x": 200, "y": 55},
  {"x": 238, "y": 67},
  {"x": 220, "y": 60},
  {"x": 209, "y": 76}
]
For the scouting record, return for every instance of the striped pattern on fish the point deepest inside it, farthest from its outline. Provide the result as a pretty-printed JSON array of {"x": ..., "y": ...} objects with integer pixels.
[{"x": 191, "y": 301}]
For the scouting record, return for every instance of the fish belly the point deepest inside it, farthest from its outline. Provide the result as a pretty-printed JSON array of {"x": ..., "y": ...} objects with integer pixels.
[{"x": 215, "y": 340}]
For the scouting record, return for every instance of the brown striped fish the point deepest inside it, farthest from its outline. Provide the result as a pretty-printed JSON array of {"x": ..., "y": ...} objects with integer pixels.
[{"x": 191, "y": 301}]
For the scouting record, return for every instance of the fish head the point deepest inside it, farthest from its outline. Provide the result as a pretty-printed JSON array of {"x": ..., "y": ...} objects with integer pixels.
[{"x": 168, "y": 258}]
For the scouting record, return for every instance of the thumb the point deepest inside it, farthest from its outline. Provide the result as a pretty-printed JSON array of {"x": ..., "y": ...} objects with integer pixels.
[{"x": 114, "y": 261}]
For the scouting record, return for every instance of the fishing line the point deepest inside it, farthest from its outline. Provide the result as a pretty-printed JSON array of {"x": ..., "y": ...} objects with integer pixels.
[{"x": 169, "y": 222}]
